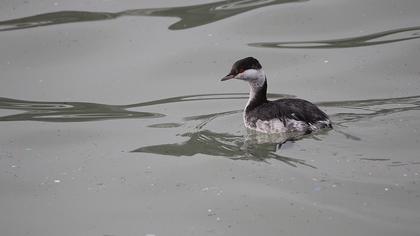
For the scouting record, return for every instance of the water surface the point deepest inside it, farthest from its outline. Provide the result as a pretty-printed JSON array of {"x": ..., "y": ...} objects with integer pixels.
[{"x": 115, "y": 123}]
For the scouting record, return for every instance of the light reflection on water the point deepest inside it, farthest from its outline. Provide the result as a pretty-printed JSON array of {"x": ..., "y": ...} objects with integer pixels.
[{"x": 201, "y": 139}]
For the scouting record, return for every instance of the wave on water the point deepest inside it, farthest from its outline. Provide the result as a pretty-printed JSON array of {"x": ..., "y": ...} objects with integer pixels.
[
  {"x": 189, "y": 16},
  {"x": 389, "y": 36},
  {"x": 201, "y": 139}
]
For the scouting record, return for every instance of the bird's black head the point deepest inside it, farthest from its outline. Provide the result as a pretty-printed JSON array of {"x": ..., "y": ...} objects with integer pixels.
[
  {"x": 245, "y": 64},
  {"x": 241, "y": 66}
]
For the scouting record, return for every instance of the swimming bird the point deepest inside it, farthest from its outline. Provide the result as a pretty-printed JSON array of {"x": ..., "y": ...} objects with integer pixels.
[{"x": 279, "y": 116}]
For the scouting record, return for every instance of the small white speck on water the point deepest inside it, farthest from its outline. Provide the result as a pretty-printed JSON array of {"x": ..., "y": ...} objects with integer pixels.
[
  {"x": 218, "y": 218},
  {"x": 209, "y": 210},
  {"x": 210, "y": 35},
  {"x": 334, "y": 185},
  {"x": 55, "y": 3},
  {"x": 57, "y": 181},
  {"x": 28, "y": 149},
  {"x": 326, "y": 61},
  {"x": 405, "y": 175},
  {"x": 416, "y": 174},
  {"x": 386, "y": 189},
  {"x": 150, "y": 235}
]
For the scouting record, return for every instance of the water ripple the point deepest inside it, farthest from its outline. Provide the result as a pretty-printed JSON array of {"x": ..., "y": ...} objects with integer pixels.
[
  {"x": 261, "y": 147},
  {"x": 84, "y": 111},
  {"x": 371, "y": 108},
  {"x": 67, "y": 111},
  {"x": 201, "y": 139},
  {"x": 389, "y": 36},
  {"x": 190, "y": 16}
]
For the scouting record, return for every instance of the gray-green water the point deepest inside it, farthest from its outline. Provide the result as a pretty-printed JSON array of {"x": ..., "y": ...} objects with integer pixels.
[{"x": 113, "y": 122}]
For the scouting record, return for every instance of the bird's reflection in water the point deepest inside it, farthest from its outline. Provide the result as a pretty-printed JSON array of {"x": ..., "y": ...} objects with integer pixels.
[{"x": 251, "y": 146}]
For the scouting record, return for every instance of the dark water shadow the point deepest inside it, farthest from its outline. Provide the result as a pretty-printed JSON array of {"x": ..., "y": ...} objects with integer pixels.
[
  {"x": 84, "y": 111},
  {"x": 67, "y": 111},
  {"x": 371, "y": 108},
  {"x": 190, "y": 16},
  {"x": 395, "y": 35}
]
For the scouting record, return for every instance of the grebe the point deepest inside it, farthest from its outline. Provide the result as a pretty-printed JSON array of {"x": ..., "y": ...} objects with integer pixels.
[{"x": 279, "y": 116}]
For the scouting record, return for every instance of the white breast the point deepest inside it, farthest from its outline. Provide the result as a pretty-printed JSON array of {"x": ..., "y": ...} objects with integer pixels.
[{"x": 278, "y": 126}]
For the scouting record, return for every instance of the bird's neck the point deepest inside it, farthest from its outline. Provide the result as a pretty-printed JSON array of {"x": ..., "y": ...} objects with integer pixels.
[{"x": 257, "y": 94}]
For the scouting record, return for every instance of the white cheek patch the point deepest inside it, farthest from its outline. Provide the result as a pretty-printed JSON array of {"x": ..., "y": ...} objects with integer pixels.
[
  {"x": 253, "y": 76},
  {"x": 240, "y": 76},
  {"x": 250, "y": 73}
]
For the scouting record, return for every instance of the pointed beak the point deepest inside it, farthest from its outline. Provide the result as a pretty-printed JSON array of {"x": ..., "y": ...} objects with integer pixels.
[{"x": 227, "y": 77}]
